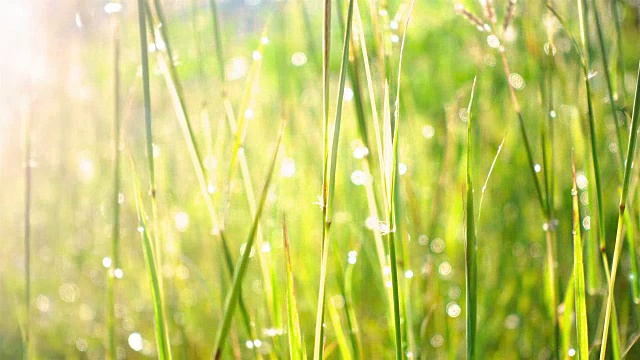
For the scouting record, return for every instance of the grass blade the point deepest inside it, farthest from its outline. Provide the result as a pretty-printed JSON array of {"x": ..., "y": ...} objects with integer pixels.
[
  {"x": 241, "y": 266},
  {"x": 578, "y": 271},
  {"x": 162, "y": 335},
  {"x": 329, "y": 165},
  {"x": 26, "y": 331},
  {"x": 115, "y": 230},
  {"x": 296, "y": 345},
  {"x": 623, "y": 203},
  {"x": 470, "y": 246}
]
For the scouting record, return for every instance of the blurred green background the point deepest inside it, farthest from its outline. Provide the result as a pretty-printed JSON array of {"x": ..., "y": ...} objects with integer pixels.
[{"x": 56, "y": 68}]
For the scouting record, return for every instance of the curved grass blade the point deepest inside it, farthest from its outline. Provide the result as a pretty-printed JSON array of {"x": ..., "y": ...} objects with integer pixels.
[
  {"x": 623, "y": 203},
  {"x": 241, "y": 266}
]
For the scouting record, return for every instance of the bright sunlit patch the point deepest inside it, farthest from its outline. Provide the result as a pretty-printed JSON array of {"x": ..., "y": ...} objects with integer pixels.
[
  {"x": 348, "y": 94},
  {"x": 582, "y": 181},
  {"x": 299, "y": 59},
  {"x": 436, "y": 340},
  {"x": 78, "y": 19},
  {"x": 106, "y": 262},
  {"x": 265, "y": 247},
  {"x": 135, "y": 341},
  {"x": 517, "y": 81},
  {"x": 444, "y": 269},
  {"x": 437, "y": 245},
  {"x": 493, "y": 41},
  {"x": 359, "y": 177},
  {"x": 182, "y": 221},
  {"x": 87, "y": 170},
  {"x": 82, "y": 345},
  {"x": 352, "y": 257},
  {"x": 68, "y": 292},
  {"x": 360, "y": 152},
  {"x": 402, "y": 168},
  {"x": 453, "y": 310},
  {"x": 43, "y": 303},
  {"x": 288, "y": 168},
  {"x": 156, "y": 151},
  {"x": 118, "y": 273},
  {"x": 112, "y": 7},
  {"x": 428, "y": 131}
]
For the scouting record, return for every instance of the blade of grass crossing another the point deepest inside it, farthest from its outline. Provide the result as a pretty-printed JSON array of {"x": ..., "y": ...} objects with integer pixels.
[
  {"x": 241, "y": 266},
  {"x": 329, "y": 166}
]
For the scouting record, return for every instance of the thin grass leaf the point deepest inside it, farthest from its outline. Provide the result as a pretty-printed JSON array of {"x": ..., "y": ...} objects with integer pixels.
[
  {"x": 329, "y": 165},
  {"x": 175, "y": 91},
  {"x": 343, "y": 345},
  {"x": 296, "y": 344},
  {"x": 582, "y": 53},
  {"x": 578, "y": 271},
  {"x": 393, "y": 196},
  {"x": 244, "y": 113},
  {"x": 115, "y": 230},
  {"x": 470, "y": 246},
  {"x": 233, "y": 296},
  {"x": 566, "y": 320},
  {"x": 607, "y": 76},
  {"x": 161, "y": 333},
  {"x": 623, "y": 203},
  {"x": 26, "y": 325},
  {"x": 266, "y": 265}
]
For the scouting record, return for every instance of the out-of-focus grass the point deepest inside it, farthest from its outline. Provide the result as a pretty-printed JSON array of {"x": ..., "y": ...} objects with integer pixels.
[{"x": 73, "y": 203}]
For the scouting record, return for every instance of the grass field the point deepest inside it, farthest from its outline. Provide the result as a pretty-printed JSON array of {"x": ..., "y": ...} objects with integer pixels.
[{"x": 317, "y": 179}]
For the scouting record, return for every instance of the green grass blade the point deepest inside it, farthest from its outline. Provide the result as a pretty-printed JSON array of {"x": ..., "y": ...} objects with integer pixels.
[
  {"x": 215, "y": 17},
  {"x": 243, "y": 118},
  {"x": 343, "y": 346},
  {"x": 578, "y": 271},
  {"x": 470, "y": 246},
  {"x": 162, "y": 335},
  {"x": 296, "y": 344},
  {"x": 566, "y": 320},
  {"x": 241, "y": 266},
  {"x": 115, "y": 197},
  {"x": 330, "y": 168},
  {"x": 607, "y": 76},
  {"x": 393, "y": 196},
  {"x": 26, "y": 326},
  {"x": 623, "y": 202}
]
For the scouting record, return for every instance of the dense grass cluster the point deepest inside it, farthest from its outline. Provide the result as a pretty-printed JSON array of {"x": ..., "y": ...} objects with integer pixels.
[{"x": 309, "y": 180}]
